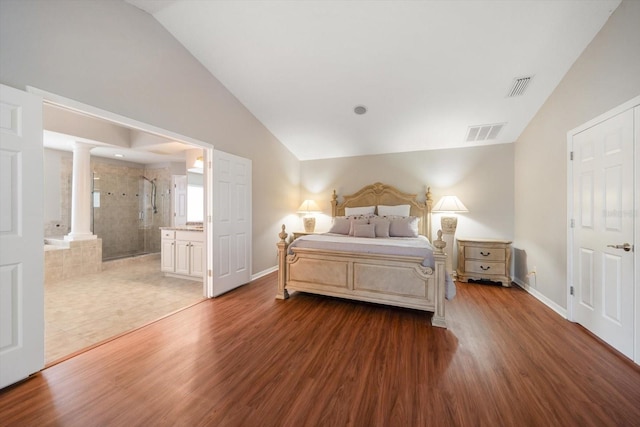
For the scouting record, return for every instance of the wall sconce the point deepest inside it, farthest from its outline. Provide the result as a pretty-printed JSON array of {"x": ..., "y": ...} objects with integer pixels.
[
  {"x": 199, "y": 162},
  {"x": 449, "y": 205},
  {"x": 309, "y": 207}
]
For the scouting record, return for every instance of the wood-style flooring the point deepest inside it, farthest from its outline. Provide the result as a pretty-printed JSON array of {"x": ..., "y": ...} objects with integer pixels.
[{"x": 246, "y": 359}]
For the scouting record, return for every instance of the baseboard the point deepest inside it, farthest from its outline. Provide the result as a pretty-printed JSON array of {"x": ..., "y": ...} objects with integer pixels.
[
  {"x": 546, "y": 301},
  {"x": 264, "y": 272}
]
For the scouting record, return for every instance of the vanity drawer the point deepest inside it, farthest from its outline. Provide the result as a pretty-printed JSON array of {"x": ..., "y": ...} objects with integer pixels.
[
  {"x": 489, "y": 254},
  {"x": 168, "y": 234},
  {"x": 192, "y": 236}
]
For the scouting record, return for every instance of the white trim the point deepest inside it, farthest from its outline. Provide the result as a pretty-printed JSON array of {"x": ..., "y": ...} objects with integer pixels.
[
  {"x": 79, "y": 107},
  {"x": 264, "y": 273},
  {"x": 540, "y": 297}
]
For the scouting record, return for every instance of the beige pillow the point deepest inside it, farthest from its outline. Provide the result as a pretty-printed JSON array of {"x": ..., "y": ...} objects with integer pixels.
[
  {"x": 382, "y": 226},
  {"x": 364, "y": 230},
  {"x": 356, "y": 221},
  {"x": 404, "y": 227}
]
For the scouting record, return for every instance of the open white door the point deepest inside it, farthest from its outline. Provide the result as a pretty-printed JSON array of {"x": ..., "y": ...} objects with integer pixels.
[
  {"x": 231, "y": 222},
  {"x": 21, "y": 236},
  {"x": 179, "y": 200},
  {"x": 603, "y": 239}
]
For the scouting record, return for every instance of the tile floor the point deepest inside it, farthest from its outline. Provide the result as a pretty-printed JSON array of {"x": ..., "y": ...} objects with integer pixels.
[{"x": 127, "y": 294}]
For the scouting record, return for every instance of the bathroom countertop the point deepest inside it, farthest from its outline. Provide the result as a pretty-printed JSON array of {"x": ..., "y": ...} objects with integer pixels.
[{"x": 184, "y": 228}]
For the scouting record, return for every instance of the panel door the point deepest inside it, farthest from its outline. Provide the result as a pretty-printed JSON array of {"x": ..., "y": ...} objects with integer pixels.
[
  {"x": 21, "y": 236},
  {"x": 179, "y": 200},
  {"x": 231, "y": 222},
  {"x": 603, "y": 203}
]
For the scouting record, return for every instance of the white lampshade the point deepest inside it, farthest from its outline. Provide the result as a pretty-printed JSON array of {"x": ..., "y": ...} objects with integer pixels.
[
  {"x": 308, "y": 206},
  {"x": 449, "y": 204}
]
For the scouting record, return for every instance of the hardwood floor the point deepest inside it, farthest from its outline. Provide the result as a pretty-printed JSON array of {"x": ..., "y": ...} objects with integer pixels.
[{"x": 246, "y": 359}]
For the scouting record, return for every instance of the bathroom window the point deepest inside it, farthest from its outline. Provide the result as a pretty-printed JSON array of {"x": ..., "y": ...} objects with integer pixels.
[{"x": 195, "y": 205}]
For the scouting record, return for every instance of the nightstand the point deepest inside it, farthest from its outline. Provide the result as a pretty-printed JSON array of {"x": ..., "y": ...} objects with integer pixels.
[{"x": 484, "y": 259}]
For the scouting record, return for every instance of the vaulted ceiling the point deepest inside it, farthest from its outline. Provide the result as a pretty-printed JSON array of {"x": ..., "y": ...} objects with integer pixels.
[{"x": 425, "y": 71}]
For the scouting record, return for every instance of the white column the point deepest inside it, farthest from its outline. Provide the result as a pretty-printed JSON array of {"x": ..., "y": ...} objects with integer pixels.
[{"x": 81, "y": 183}]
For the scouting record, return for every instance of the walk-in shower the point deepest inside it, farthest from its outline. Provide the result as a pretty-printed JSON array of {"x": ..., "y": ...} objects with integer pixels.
[{"x": 128, "y": 209}]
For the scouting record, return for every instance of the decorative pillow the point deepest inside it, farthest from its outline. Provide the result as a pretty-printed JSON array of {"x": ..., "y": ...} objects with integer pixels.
[
  {"x": 400, "y": 210},
  {"x": 364, "y": 210},
  {"x": 381, "y": 225},
  {"x": 404, "y": 227},
  {"x": 341, "y": 225},
  {"x": 364, "y": 230},
  {"x": 356, "y": 221}
]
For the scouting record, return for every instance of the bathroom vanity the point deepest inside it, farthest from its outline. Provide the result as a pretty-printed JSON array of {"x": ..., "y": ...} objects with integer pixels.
[{"x": 183, "y": 252}]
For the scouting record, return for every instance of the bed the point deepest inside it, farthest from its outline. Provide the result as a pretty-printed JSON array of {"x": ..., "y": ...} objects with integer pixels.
[{"x": 408, "y": 280}]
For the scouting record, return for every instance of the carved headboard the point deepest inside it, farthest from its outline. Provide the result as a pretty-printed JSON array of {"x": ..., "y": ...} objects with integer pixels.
[{"x": 383, "y": 194}]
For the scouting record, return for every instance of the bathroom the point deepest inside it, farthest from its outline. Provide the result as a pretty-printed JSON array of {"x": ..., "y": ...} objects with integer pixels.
[{"x": 108, "y": 284}]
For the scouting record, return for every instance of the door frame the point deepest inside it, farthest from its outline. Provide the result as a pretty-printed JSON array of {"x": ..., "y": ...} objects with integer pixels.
[
  {"x": 79, "y": 107},
  {"x": 632, "y": 103}
]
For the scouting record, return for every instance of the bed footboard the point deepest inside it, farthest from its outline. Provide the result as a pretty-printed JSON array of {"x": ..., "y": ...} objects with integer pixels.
[{"x": 384, "y": 279}]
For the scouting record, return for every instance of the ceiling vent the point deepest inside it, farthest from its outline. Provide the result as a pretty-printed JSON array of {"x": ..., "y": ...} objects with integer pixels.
[
  {"x": 484, "y": 132},
  {"x": 519, "y": 85}
]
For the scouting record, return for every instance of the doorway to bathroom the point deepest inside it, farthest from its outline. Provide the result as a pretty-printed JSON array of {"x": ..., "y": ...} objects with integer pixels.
[{"x": 98, "y": 289}]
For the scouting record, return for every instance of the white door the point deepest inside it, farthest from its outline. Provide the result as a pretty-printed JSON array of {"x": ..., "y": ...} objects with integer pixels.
[
  {"x": 231, "y": 222},
  {"x": 179, "y": 200},
  {"x": 21, "y": 236},
  {"x": 603, "y": 206}
]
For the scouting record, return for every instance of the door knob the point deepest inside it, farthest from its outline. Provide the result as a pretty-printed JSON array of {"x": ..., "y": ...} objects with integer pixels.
[{"x": 626, "y": 246}]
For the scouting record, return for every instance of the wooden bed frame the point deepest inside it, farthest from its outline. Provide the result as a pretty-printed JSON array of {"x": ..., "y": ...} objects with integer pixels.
[{"x": 385, "y": 279}]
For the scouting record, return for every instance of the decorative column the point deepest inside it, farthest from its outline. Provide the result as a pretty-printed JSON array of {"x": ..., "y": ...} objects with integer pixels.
[{"x": 81, "y": 182}]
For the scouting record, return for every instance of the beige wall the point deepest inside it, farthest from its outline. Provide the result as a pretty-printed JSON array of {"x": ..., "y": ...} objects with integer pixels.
[
  {"x": 113, "y": 56},
  {"x": 606, "y": 75},
  {"x": 481, "y": 177}
]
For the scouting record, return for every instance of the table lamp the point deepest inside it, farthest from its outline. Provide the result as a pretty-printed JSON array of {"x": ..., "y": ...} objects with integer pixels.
[
  {"x": 449, "y": 223},
  {"x": 309, "y": 207}
]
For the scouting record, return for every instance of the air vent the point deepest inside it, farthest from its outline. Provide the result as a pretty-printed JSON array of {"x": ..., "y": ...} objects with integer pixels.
[
  {"x": 519, "y": 85},
  {"x": 484, "y": 132}
]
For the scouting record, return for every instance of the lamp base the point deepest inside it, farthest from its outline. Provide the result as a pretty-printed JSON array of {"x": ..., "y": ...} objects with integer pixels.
[
  {"x": 449, "y": 225},
  {"x": 309, "y": 224}
]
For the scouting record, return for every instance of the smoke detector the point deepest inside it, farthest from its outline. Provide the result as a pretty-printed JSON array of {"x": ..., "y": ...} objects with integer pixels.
[{"x": 360, "y": 110}]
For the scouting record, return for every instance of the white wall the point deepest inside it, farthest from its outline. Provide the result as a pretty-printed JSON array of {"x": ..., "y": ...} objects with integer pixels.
[
  {"x": 115, "y": 57},
  {"x": 606, "y": 75},
  {"x": 481, "y": 177}
]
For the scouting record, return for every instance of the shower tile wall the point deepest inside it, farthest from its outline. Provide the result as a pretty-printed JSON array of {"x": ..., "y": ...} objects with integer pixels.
[{"x": 124, "y": 220}]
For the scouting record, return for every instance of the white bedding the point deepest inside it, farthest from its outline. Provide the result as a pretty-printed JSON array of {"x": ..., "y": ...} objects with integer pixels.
[{"x": 405, "y": 246}]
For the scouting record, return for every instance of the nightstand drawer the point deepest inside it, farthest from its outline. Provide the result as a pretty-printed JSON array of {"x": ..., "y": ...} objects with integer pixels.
[
  {"x": 484, "y": 267},
  {"x": 489, "y": 254}
]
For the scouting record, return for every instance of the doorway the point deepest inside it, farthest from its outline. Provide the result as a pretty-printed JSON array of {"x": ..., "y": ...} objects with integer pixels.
[
  {"x": 130, "y": 289},
  {"x": 603, "y": 204}
]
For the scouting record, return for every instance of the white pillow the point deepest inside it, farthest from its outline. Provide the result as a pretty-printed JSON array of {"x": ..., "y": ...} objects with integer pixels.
[
  {"x": 364, "y": 210},
  {"x": 399, "y": 210}
]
